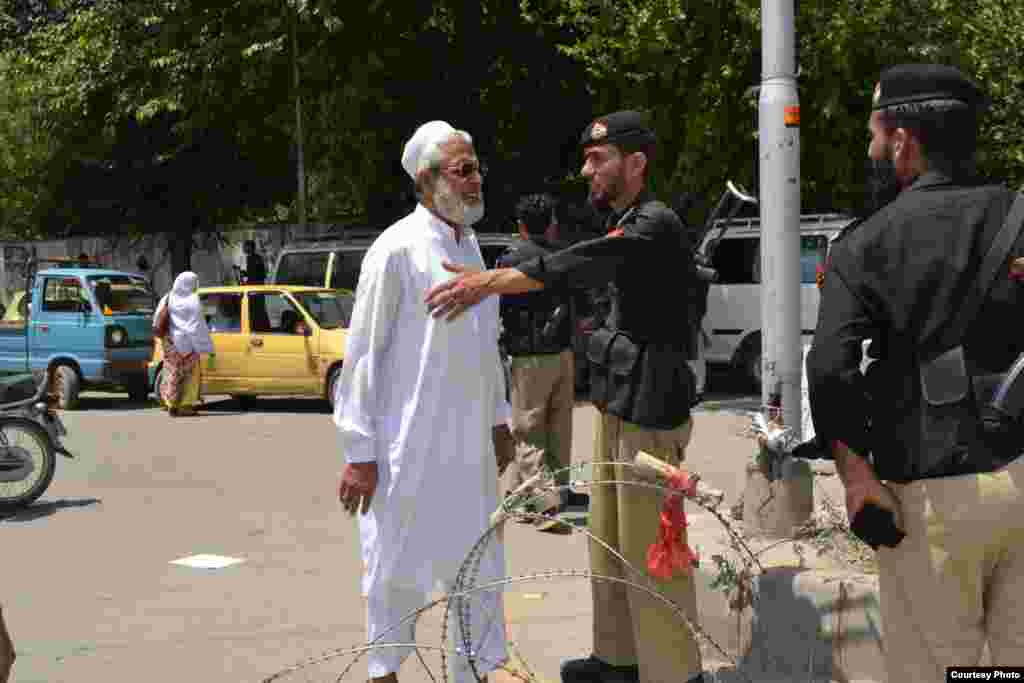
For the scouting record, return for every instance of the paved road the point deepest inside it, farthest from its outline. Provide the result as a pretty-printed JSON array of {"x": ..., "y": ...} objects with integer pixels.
[{"x": 91, "y": 595}]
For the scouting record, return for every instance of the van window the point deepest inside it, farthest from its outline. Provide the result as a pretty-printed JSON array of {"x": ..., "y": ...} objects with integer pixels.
[
  {"x": 812, "y": 256},
  {"x": 116, "y": 294},
  {"x": 738, "y": 261},
  {"x": 302, "y": 268},
  {"x": 347, "y": 265},
  {"x": 64, "y": 295}
]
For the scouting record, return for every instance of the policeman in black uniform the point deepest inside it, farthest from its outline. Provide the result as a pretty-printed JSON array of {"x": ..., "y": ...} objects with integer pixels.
[
  {"x": 537, "y": 337},
  {"x": 641, "y": 383},
  {"x": 953, "y": 577}
]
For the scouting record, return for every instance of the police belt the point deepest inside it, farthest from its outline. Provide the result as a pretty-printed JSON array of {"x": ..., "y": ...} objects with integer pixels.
[{"x": 517, "y": 351}]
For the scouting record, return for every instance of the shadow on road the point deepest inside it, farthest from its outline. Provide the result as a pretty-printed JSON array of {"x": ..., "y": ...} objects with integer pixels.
[
  {"x": 229, "y": 406},
  {"x": 113, "y": 402},
  {"x": 800, "y": 629},
  {"x": 47, "y": 508}
]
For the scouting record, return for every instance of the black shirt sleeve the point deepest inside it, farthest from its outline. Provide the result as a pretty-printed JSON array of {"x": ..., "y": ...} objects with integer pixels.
[
  {"x": 839, "y": 405},
  {"x": 595, "y": 262}
]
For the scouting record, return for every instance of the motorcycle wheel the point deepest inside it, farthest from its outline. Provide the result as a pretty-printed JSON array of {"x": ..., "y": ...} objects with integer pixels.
[{"x": 27, "y": 435}]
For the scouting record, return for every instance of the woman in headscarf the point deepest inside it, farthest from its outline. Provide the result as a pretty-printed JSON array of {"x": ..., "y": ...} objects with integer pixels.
[{"x": 186, "y": 339}]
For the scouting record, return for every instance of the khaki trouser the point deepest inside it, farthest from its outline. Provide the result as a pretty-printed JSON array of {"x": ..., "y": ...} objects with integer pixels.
[
  {"x": 957, "y": 579},
  {"x": 543, "y": 395},
  {"x": 631, "y": 627}
]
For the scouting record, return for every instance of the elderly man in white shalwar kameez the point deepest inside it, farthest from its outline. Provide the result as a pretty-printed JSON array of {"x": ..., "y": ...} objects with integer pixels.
[{"x": 422, "y": 413}]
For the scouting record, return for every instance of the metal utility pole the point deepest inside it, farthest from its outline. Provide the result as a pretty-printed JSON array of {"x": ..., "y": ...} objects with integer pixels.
[
  {"x": 779, "y": 170},
  {"x": 301, "y": 161}
]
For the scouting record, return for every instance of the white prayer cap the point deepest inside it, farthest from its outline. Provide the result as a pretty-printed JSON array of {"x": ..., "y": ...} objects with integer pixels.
[{"x": 426, "y": 134}]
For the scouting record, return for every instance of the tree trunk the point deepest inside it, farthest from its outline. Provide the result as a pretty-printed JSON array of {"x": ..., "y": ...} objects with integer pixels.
[{"x": 181, "y": 251}]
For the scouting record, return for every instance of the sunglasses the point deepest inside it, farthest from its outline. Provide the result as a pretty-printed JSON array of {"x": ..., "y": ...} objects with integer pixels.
[{"x": 468, "y": 168}]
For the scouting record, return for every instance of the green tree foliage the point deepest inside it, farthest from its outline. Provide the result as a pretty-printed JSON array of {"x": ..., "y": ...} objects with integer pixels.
[
  {"x": 845, "y": 45},
  {"x": 155, "y": 127},
  {"x": 141, "y": 114},
  {"x": 385, "y": 68},
  {"x": 690, "y": 63},
  {"x": 24, "y": 150}
]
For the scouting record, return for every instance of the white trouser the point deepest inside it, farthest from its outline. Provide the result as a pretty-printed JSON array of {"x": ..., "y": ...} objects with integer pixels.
[
  {"x": 387, "y": 607},
  {"x": 698, "y": 364},
  {"x": 700, "y": 371}
]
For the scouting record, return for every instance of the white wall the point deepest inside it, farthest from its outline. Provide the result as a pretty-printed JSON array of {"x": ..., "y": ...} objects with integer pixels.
[{"x": 213, "y": 254}]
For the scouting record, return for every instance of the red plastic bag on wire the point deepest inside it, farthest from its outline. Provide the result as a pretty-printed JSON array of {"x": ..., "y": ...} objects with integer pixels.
[{"x": 670, "y": 554}]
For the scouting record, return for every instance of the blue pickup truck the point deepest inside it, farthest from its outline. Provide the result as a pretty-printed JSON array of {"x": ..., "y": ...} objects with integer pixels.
[{"x": 92, "y": 326}]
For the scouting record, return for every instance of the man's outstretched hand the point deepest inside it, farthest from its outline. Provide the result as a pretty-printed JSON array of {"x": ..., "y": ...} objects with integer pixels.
[
  {"x": 358, "y": 484},
  {"x": 452, "y": 298}
]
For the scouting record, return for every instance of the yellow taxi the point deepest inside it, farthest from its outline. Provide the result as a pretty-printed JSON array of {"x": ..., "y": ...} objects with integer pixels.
[{"x": 271, "y": 340}]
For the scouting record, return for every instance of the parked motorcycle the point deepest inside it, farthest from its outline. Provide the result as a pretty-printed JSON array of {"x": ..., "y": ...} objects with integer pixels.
[{"x": 30, "y": 439}]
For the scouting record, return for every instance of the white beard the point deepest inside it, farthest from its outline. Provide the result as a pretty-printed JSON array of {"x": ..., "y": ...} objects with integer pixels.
[{"x": 453, "y": 208}]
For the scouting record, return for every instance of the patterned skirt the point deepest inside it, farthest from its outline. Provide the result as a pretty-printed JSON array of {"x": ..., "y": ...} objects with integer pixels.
[{"x": 179, "y": 369}]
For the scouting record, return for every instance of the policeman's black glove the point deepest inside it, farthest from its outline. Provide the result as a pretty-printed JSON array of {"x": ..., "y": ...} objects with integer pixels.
[{"x": 876, "y": 526}]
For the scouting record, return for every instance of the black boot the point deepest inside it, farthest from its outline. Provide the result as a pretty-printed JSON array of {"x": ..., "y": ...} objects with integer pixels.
[{"x": 593, "y": 670}]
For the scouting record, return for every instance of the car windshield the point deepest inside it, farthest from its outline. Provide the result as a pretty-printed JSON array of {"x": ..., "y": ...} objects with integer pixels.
[
  {"x": 331, "y": 310},
  {"x": 302, "y": 268},
  {"x": 118, "y": 294}
]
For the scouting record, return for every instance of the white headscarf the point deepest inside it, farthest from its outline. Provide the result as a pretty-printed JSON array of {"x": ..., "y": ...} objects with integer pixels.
[
  {"x": 429, "y": 132},
  {"x": 188, "y": 327}
]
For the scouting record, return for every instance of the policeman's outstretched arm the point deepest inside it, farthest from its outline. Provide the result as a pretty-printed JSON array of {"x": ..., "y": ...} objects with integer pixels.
[{"x": 470, "y": 286}]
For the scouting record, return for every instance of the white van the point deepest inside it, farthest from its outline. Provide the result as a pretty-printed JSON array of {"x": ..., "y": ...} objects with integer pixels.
[
  {"x": 336, "y": 262},
  {"x": 732, "y": 325}
]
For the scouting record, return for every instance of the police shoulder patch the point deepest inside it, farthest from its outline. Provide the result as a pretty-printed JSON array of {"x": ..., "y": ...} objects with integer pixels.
[{"x": 1017, "y": 269}]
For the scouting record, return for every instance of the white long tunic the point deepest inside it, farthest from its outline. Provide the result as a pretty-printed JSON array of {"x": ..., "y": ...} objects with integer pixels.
[{"x": 420, "y": 397}]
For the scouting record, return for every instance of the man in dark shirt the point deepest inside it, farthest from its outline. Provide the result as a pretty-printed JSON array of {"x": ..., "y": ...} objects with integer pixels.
[
  {"x": 537, "y": 336},
  {"x": 900, "y": 279},
  {"x": 642, "y": 385},
  {"x": 255, "y": 272}
]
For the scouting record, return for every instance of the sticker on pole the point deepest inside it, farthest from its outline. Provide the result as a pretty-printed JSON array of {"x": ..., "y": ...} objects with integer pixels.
[{"x": 791, "y": 116}]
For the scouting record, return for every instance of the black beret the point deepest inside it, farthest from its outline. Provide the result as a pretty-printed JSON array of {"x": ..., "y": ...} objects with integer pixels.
[
  {"x": 622, "y": 127},
  {"x": 917, "y": 83}
]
